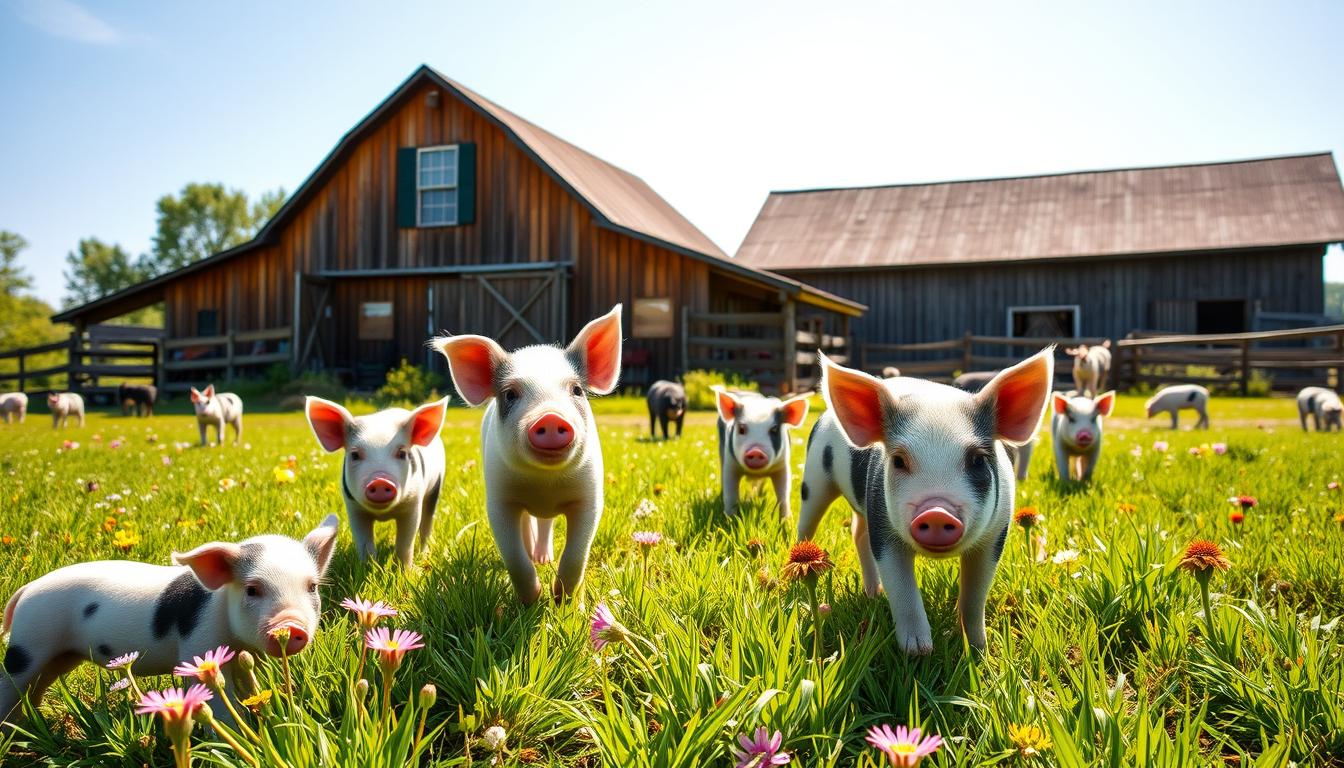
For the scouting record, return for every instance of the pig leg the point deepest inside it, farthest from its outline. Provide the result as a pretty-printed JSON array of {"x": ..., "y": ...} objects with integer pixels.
[
  {"x": 732, "y": 482},
  {"x": 819, "y": 491},
  {"x": 680, "y": 419},
  {"x": 1175, "y": 420},
  {"x": 780, "y": 480},
  {"x": 543, "y": 548},
  {"x": 897, "y": 571},
  {"x": 237, "y": 430},
  {"x": 200, "y": 425},
  {"x": 580, "y": 527},
  {"x": 507, "y": 523},
  {"x": 408, "y": 524},
  {"x": 1203, "y": 417},
  {"x": 1302, "y": 416},
  {"x": 1087, "y": 463},
  {"x": 428, "y": 507},
  {"x": 663, "y": 421},
  {"x": 858, "y": 528},
  {"x": 1316, "y": 420},
  {"x": 1062, "y": 463},
  {"x": 653, "y": 421},
  {"x": 977, "y": 573},
  {"x": 361, "y": 529}
]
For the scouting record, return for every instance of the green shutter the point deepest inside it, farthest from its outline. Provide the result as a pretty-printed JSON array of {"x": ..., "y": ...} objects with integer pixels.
[
  {"x": 406, "y": 187},
  {"x": 466, "y": 183}
]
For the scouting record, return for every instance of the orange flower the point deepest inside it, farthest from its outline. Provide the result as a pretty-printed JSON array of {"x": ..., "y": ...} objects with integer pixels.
[
  {"x": 806, "y": 560},
  {"x": 1237, "y": 517},
  {"x": 1125, "y": 507},
  {"x": 1026, "y": 517},
  {"x": 1202, "y": 556}
]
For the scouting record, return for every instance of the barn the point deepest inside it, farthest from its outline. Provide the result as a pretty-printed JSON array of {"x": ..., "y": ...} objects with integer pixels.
[
  {"x": 442, "y": 210},
  {"x": 1206, "y": 248}
]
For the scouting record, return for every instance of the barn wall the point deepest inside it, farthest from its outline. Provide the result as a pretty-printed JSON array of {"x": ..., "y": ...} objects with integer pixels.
[{"x": 931, "y": 304}]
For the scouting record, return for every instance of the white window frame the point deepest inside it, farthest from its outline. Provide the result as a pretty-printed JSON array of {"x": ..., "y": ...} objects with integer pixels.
[
  {"x": 419, "y": 189},
  {"x": 1076, "y": 309}
]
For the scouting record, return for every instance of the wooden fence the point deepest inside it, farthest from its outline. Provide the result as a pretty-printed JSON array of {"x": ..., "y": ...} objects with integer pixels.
[
  {"x": 119, "y": 352},
  {"x": 777, "y": 350},
  {"x": 198, "y": 359},
  {"x": 944, "y": 360}
]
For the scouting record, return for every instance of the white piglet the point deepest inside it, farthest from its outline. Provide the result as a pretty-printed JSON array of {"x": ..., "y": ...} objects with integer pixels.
[
  {"x": 541, "y": 453},
  {"x": 63, "y": 405},
  {"x": 1076, "y": 429},
  {"x": 1324, "y": 407},
  {"x": 13, "y": 405},
  {"x": 221, "y": 593},
  {"x": 1179, "y": 397},
  {"x": 1090, "y": 366},
  {"x": 393, "y": 469},
  {"x": 216, "y": 410},
  {"x": 925, "y": 468},
  {"x": 754, "y": 443}
]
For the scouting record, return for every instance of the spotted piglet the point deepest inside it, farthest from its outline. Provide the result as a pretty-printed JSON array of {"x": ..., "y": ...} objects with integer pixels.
[
  {"x": 925, "y": 468},
  {"x": 393, "y": 469},
  {"x": 216, "y": 410},
  {"x": 542, "y": 458},
  {"x": 219, "y": 593},
  {"x": 754, "y": 443},
  {"x": 1076, "y": 428}
]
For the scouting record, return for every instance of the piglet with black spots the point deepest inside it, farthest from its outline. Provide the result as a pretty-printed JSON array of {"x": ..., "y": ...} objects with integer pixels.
[
  {"x": 667, "y": 403},
  {"x": 754, "y": 442},
  {"x": 925, "y": 468},
  {"x": 216, "y": 410},
  {"x": 221, "y": 593}
]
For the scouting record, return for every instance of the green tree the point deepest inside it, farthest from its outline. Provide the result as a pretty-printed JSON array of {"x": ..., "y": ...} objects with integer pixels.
[
  {"x": 204, "y": 219},
  {"x": 97, "y": 269},
  {"x": 25, "y": 320},
  {"x": 12, "y": 277}
]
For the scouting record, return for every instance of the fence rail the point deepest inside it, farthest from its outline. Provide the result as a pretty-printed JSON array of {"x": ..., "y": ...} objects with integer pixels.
[
  {"x": 102, "y": 351},
  {"x": 223, "y": 353},
  {"x": 779, "y": 350}
]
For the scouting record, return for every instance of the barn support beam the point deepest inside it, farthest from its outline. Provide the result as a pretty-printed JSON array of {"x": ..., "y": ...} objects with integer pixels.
[{"x": 790, "y": 374}]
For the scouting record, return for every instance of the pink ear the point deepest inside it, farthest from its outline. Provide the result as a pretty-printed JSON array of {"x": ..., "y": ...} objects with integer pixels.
[
  {"x": 727, "y": 403},
  {"x": 328, "y": 421},
  {"x": 426, "y": 422},
  {"x": 212, "y": 563},
  {"x": 209, "y": 391},
  {"x": 196, "y": 396},
  {"x": 795, "y": 410},
  {"x": 1105, "y": 403},
  {"x": 598, "y": 345},
  {"x": 321, "y": 541},
  {"x": 1061, "y": 402},
  {"x": 472, "y": 362},
  {"x": 1018, "y": 396},
  {"x": 858, "y": 400}
]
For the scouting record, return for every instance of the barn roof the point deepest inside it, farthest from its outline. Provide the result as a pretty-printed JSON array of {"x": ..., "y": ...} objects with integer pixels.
[
  {"x": 1264, "y": 202},
  {"x": 618, "y": 200}
]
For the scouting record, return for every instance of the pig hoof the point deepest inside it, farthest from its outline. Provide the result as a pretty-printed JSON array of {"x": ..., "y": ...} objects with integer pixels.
[
  {"x": 915, "y": 646},
  {"x": 543, "y": 553}
]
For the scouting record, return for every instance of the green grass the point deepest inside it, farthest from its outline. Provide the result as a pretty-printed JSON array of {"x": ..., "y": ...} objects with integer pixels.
[{"x": 1107, "y": 653}]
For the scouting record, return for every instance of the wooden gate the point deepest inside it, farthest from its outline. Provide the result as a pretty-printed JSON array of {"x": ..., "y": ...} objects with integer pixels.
[{"x": 515, "y": 307}]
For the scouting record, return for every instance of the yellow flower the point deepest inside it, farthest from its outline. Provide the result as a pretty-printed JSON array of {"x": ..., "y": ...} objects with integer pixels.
[
  {"x": 257, "y": 700},
  {"x": 125, "y": 539},
  {"x": 1029, "y": 740},
  {"x": 110, "y": 524},
  {"x": 283, "y": 475},
  {"x": 1125, "y": 507}
]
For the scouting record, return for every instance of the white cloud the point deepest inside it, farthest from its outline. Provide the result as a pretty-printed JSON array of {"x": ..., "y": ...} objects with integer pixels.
[{"x": 69, "y": 20}]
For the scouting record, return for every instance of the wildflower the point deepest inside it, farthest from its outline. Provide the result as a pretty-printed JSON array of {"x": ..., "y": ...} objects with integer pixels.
[
  {"x": 905, "y": 747},
  {"x": 605, "y": 628},
  {"x": 368, "y": 613},
  {"x": 283, "y": 475},
  {"x": 645, "y": 509},
  {"x": 115, "y": 444},
  {"x": 206, "y": 668},
  {"x": 755, "y": 546},
  {"x": 1029, "y": 740},
  {"x": 1027, "y": 517},
  {"x": 1202, "y": 556},
  {"x": 494, "y": 738},
  {"x": 806, "y": 561},
  {"x": 1065, "y": 556},
  {"x": 1220, "y": 448},
  {"x": 1340, "y": 519},
  {"x": 647, "y": 539},
  {"x": 760, "y": 749},
  {"x": 91, "y": 486},
  {"x": 1246, "y": 502},
  {"x": 1136, "y": 451},
  {"x": 292, "y": 461},
  {"x": 124, "y": 539},
  {"x": 120, "y": 684},
  {"x": 1333, "y": 485},
  {"x": 123, "y": 661},
  {"x": 824, "y": 610},
  {"x": 225, "y": 483},
  {"x": 1237, "y": 517},
  {"x": 257, "y": 701},
  {"x": 167, "y": 462},
  {"x": 1125, "y": 507},
  {"x": 658, "y": 489},
  {"x": 392, "y": 646},
  {"x": 428, "y": 695},
  {"x": 764, "y": 580},
  {"x": 177, "y": 707},
  {"x": 1196, "y": 451},
  {"x": 529, "y": 755},
  {"x": 1160, "y": 446}
]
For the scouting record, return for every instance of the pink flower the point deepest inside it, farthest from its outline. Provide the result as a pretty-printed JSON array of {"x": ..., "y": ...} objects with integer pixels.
[
  {"x": 206, "y": 668},
  {"x": 167, "y": 462},
  {"x": 760, "y": 749},
  {"x": 1220, "y": 448},
  {"x": 368, "y": 613},
  {"x": 1333, "y": 485},
  {"x": 904, "y": 748},
  {"x": 115, "y": 444},
  {"x": 174, "y": 704},
  {"x": 1246, "y": 502},
  {"x": 124, "y": 660},
  {"x": 647, "y": 538},
  {"x": 392, "y": 646},
  {"x": 605, "y": 628},
  {"x": 120, "y": 684},
  {"x": 1160, "y": 446}
]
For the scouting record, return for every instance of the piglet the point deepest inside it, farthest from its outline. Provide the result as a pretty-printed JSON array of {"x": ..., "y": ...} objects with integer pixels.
[
  {"x": 667, "y": 402},
  {"x": 1090, "y": 366},
  {"x": 1076, "y": 430},
  {"x": 924, "y": 467},
  {"x": 140, "y": 397},
  {"x": 393, "y": 469},
  {"x": 63, "y": 405},
  {"x": 1324, "y": 407},
  {"x": 13, "y": 405},
  {"x": 216, "y": 410},
  {"x": 754, "y": 443},
  {"x": 219, "y": 593},
  {"x": 541, "y": 453},
  {"x": 1179, "y": 397}
]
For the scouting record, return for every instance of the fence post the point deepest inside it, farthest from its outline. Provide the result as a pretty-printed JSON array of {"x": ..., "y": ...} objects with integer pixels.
[
  {"x": 966, "y": 353},
  {"x": 228, "y": 356},
  {"x": 75, "y": 359},
  {"x": 685, "y": 340},
  {"x": 1245, "y": 367},
  {"x": 790, "y": 348}
]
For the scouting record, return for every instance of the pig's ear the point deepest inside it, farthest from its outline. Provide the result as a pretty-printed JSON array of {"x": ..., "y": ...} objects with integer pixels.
[
  {"x": 196, "y": 395},
  {"x": 597, "y": 349},
  {"x": 1061, "y": 402},
  {"x": 209, "y": 391},
  {"x": 473, "y": 362},
  {"x": 426, "y": 421},
  {"x": 795, "y": 409},
  {"x": 321, "y": 542},
  {"x": 859, "y": 401},
  {"x": 727, "y": 403},
  {"x": 329, "y": 421},
  {"x": 1105, "y": 402},
  {"x": 1018, "y": 396},
  {"x": 212, "y": 563}
]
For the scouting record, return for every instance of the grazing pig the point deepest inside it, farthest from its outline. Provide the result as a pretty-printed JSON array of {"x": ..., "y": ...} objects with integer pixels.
[
  {"x": 14, "y": 404},
  {"x": 63, "y": 406},
  {"x": 141, "y": 397},
  {"x": 542, "y": 457},
  {"x": 1090, "y": 366},
  {"x": 216, "y": 410},
  {"x": 754, "y": 443},
  {"x": 1076, "y": 429},
  {"x": 1177, "y": 397},
  {"x": 891, "y": 372},
  {"x": 667, "y": 402},
  {"x": 924, "y": 467},
  {"x": 219, "y": 593},
  {"x": 393, "y": 469},
  {"x": 1323, "y": 405}
]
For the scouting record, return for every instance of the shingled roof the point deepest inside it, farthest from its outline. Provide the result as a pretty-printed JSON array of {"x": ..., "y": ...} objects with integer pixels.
[{"x": 1183, "y": 208}]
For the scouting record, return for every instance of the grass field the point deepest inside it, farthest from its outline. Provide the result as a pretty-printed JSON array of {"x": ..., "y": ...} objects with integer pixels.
[{"x": 1102, "y": 644}]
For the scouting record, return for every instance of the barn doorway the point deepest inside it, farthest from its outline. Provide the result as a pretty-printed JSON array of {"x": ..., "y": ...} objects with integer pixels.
[
  {"x": 1058, "y": 321},
  {"x": 517, "y": 307},
  {"x": 1226, "y": 316}
]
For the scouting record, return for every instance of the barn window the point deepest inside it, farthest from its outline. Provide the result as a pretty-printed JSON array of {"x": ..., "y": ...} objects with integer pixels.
[
  {"x": 436, "y": 186},
  {"x": 652, "y": 319},
  {"x": 1055, "y": 321}
]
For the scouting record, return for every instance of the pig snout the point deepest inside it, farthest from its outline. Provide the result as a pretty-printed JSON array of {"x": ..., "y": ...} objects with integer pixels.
[
  {"x": 935, "y": 528},
  {"x": 380, "y": 490},
  {"x": 1084, "y": 437},
  {"x": 298, "y": 635},
  {"x": 550, "y": 433},
  {"x": 755, "y": 457}
]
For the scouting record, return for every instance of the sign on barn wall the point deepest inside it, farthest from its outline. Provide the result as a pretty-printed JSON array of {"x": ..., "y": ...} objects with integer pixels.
[{"x": 375, "y": 321}]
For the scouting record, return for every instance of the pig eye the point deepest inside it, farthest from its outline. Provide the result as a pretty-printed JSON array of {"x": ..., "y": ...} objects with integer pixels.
[
  {"x": 576, "y": 390},
  {"x": 741, "y": 429},
  {"x": 312, "y": 587},
  {"x": 898, "y": 463},
  {"x": 403, "y": 454},
  {"x": 977, "y": 460},
  {"x": 253, "y": 590},
  {"x": 510, "y": 396},
  {"x": 356, "y": 454}
]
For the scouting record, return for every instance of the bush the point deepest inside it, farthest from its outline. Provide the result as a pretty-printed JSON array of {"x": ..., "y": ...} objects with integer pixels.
[
  {"x": 700, "y": 396},
  {"x": 408, "y": 385}
]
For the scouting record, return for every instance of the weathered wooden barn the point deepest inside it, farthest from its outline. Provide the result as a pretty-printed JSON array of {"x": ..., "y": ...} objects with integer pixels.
[
  {"x": 442, "y": 210},
  {"x": 1208, "y": 248}
]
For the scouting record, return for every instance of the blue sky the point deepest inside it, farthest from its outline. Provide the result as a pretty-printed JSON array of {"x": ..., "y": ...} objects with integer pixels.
[{"x": 109, "y": 106}]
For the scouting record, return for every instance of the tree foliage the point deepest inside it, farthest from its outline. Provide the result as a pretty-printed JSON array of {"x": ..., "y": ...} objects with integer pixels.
[
  {"x": 97, "y": 269},
  {"x": 204, "y": 219},
  {"x": 24, "y": 319},
  {"x": 12, "y": 276}
]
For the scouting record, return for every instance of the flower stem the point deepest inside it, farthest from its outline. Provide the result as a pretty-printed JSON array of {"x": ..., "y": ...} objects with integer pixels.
[
  {"x": 242, "y": 724},
  {"x": 182, "y": 754},
  {"x": 816, "y": 620},
  {"x": 419, "y": 732},
  {"x": 228, "y": 737},
  {"x": 1204, "y": 598},
  {"x": 289, "y": 685}
]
